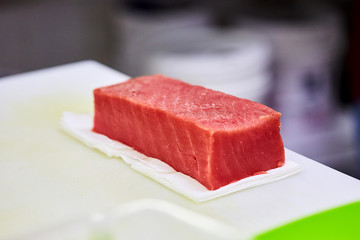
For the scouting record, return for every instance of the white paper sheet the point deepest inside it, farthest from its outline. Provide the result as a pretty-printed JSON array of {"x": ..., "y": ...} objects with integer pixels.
[{"x": 80, "y": 127}]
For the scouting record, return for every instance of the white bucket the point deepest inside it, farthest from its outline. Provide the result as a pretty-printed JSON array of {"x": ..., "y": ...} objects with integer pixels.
[
  {"x": 233, "y": 62},
  {"x": 135, "y": 28}
]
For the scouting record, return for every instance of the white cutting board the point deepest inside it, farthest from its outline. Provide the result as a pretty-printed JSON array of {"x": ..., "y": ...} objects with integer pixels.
[{"x": 47, "y": 177}]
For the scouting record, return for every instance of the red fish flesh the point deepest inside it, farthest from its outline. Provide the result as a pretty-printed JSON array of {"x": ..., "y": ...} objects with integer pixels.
[{"x": 211, "y": 136}]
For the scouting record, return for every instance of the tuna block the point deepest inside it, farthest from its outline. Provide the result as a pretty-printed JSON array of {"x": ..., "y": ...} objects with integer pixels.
[{"x": 213, "y": 137}]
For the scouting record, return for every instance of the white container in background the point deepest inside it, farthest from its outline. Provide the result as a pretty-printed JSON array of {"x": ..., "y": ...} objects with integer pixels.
[
  {"x": 134, "y": 28},
  {"x": 231, "y": 61}
]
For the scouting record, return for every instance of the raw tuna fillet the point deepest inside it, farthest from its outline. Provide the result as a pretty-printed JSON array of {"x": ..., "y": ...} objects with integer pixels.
[{"x": 213, "y": 137}]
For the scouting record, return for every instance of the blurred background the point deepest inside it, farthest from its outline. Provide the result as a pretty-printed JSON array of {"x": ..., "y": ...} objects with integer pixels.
[{"x": 300, "y": 57}]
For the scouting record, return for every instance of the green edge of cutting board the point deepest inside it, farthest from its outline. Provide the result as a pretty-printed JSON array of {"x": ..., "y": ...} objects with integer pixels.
[{"x": 338, "y": 223}]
